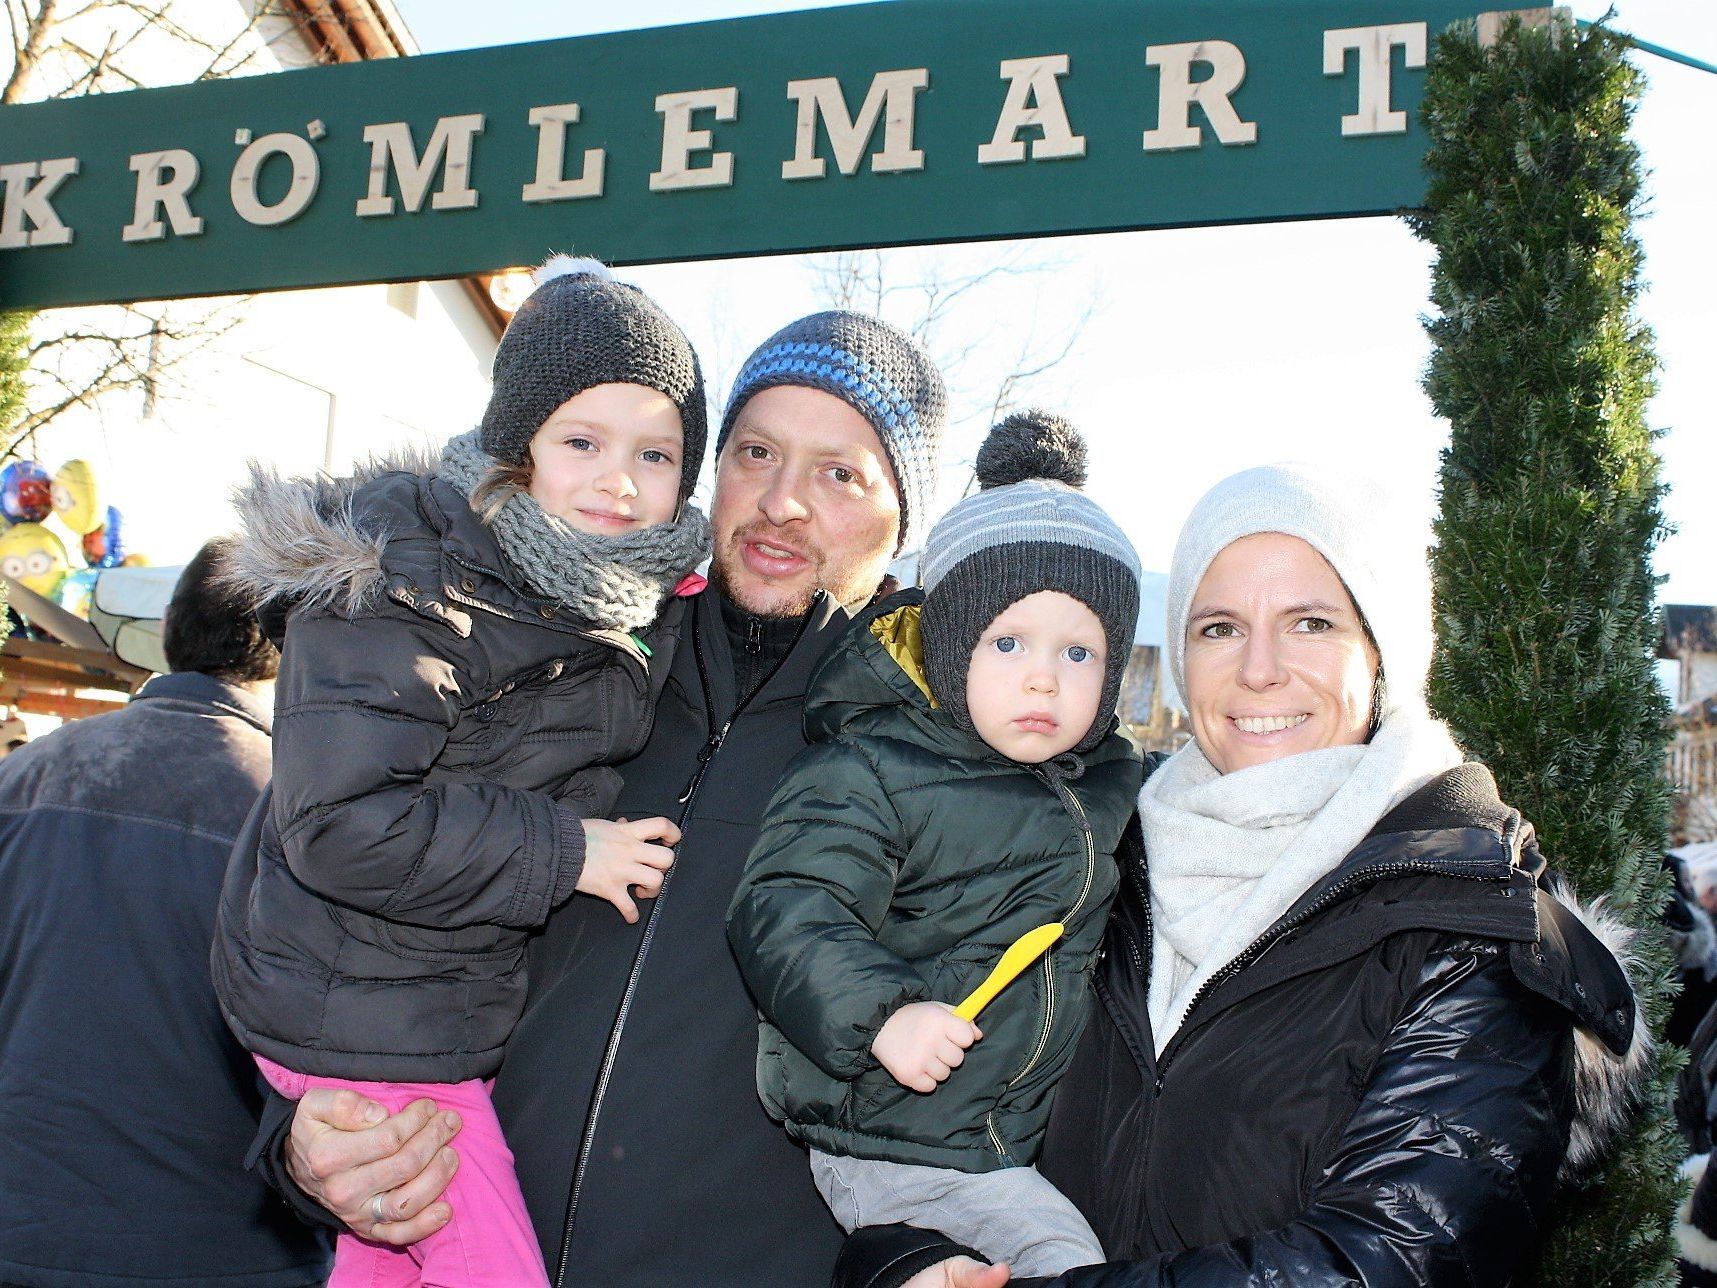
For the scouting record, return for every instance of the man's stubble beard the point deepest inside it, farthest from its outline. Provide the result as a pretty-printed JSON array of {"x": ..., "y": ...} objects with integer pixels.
[{"x": 726, "y": 558}]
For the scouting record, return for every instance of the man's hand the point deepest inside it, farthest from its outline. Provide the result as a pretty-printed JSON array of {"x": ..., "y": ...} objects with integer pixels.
[
  {"x": 619, "y": 860},
  {"x": 922, "y": 1043},
  {"x": 345, "y": 1151},
  {"x": 959, "y": 1272}
]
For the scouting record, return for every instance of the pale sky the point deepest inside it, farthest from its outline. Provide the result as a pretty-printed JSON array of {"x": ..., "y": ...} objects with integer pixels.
[{"x": 1210, "y": 350}]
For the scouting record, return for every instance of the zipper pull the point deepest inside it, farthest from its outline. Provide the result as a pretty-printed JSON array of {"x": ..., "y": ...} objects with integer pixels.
[
  {"x": 704, "y": 756},
  {"x": 642, "y": 647},
  {"x": 754, "y": 636}
]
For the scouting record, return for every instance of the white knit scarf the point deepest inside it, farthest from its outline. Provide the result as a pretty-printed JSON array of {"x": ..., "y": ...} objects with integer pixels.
[{"x": 1228, "y": 854}]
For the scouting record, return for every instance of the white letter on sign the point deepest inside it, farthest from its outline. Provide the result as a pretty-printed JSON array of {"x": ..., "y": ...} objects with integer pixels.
[
  {"x": 29, "y": 189},
  {"x": 551, "y": 184},
  {"x": 306, "y": 176},
  {"x": 392, "y": 142},
  {"x": 679, "y": 140},
  {"x": 164, "y": 180},
  {"x": 892, "y": 96},
  {"x": 1373, "y": 44},
  {"x": 1034, "y": 98},
  {"x": 1178, "y": 92}
]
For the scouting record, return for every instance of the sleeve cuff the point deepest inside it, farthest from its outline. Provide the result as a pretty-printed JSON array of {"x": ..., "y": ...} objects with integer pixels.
[
  {"x": 267, "y": 1158},
  {"x": 569, "y": 855},
  {"x": 886, "y": 1256}
]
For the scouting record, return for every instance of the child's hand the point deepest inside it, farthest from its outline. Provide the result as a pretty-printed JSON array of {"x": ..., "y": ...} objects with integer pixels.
[
  {"x": 619, "y": 860},
  {"x": 922, "y": 1043}
]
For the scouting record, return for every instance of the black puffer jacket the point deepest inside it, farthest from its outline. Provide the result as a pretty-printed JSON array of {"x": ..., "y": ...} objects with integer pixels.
[
  {"x": 899, "y": 858},
  {"x": 440, "y": 734},
  {"x": 1382, "y": 1091}
]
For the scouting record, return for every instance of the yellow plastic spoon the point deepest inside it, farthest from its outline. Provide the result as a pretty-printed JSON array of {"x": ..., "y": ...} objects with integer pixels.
[{"x": 1019, "y": 956}]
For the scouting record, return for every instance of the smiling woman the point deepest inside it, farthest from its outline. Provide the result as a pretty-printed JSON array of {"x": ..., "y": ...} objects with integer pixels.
[
  {"x": 1336, "y": 954},
  {"x": 1278, "y": 660}
]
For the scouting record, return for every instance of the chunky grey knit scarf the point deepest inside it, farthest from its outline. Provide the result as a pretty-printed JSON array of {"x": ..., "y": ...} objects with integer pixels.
[{"x": 609, "y": 582}]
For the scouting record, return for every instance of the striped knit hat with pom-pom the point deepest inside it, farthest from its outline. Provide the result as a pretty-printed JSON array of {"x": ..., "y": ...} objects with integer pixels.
[
  {"x": 1029, "y": 529},
  {"x": 578, "y": 329}
]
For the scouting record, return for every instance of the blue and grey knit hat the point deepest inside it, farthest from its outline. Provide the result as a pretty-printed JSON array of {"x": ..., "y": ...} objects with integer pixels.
[
  {"x": 880, "y": 372},
  {"x": 1029, "y": 529}
]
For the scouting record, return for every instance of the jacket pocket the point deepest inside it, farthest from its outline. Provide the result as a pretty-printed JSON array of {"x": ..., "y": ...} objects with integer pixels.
[{"x": 423, "y": 943}]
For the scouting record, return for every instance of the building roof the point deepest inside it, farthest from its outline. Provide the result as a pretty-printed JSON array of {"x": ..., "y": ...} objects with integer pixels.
[{"x": 1688, "y": 628}]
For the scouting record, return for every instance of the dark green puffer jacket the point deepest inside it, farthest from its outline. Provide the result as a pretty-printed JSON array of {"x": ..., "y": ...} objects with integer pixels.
[{"x": 899, "y": 858}]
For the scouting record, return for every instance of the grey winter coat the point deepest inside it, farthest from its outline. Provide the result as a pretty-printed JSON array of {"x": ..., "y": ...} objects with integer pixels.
[{"x": 440, "y": 734}]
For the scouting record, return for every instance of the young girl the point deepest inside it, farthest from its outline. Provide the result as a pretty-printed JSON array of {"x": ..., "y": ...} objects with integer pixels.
[{"x": 470, "y": 646}]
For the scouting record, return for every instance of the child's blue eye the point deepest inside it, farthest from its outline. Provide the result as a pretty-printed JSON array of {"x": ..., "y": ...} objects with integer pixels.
[
  {"x": 656, "y": 456},
  {"x": 1006, "y": 644},
  {"x": 580, "y": 444},
  {"x": 1079, "y": 653}
]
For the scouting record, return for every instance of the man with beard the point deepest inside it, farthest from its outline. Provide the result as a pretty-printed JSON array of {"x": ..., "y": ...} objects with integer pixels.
[{"x": 629, "y": 1092}]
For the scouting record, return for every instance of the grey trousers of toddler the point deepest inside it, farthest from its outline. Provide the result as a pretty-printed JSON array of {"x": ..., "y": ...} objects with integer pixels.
[{"x": 1012, "y": 1215}]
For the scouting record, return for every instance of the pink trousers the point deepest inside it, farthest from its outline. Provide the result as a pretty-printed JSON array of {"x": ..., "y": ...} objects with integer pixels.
[{"x": 488, "y": 1243}]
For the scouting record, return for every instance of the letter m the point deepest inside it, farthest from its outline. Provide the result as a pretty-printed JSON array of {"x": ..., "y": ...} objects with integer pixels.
[
  {"x": 449, "y": 150},
  {"x": 892, "y": 97}
]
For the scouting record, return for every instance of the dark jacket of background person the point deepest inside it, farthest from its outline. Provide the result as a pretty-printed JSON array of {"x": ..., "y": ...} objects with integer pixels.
[
  {"x": 125, "y": 1105},
  {"x": 442, "y": 736},
  {"x": 1383, "y": 1093},
  {"x": 631, "y": 1034},
  {"x": 902, "y": 856}
]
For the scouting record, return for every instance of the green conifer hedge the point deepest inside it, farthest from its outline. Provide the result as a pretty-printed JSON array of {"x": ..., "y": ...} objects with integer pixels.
[{"x": 1546, "y": 621}]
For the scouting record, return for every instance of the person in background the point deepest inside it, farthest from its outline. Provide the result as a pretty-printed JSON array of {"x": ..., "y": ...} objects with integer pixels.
[{"x": 125, "y": 1105}]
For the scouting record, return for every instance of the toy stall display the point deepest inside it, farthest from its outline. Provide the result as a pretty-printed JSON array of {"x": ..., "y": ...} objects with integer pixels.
[{"x": 58, "y": 531}]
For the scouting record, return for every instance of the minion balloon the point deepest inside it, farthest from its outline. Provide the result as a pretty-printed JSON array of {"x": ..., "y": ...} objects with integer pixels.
[
  {"x": 76, "y": 497},
  {"x": 30, "y": 554}
]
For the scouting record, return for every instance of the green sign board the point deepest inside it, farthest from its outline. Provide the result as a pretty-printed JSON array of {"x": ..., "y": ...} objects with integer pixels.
[{"x": 886, "y": 124}]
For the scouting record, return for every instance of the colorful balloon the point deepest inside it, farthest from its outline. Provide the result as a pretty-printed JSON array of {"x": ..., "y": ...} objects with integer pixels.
[
  {"x": 26, "y": 492},
  {"x": 104, "y": 547},
  {"x": 77, "y": 498},
  {"x": 74, "y": 592},
  {"x": 29, "y": 553}
]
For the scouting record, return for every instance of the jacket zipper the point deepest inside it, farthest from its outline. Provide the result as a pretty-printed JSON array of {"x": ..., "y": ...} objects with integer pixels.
[
  {"x": 1258, "y": 946},
  {"x": 1071, "y": 801},
  {"x": 686, "y": 801}
]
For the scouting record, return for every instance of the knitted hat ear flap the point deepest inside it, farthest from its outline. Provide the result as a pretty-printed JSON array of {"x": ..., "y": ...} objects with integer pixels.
[{"x": 984, "y": 585}]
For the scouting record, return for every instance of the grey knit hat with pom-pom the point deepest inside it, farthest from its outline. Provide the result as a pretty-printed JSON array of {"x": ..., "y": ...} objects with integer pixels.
[
  {"x": 1029, "y": 529},
  {"x": 578, "y": 329}
]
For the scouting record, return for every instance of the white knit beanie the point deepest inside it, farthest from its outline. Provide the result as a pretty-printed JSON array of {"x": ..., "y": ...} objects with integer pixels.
[{"x": 1351, "y": 521}]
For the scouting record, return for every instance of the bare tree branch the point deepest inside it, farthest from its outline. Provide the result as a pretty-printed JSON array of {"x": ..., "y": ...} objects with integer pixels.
[{"x": 35, "y": 37}]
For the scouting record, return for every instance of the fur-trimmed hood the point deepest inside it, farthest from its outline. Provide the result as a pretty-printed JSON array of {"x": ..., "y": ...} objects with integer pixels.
[
  {"x": 305, "y": 540},
  {"x": 1612, "y": 1066}
]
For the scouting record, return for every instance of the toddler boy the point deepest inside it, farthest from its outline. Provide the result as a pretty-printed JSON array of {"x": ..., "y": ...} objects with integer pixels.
[{"x": 966, "y": 783}]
